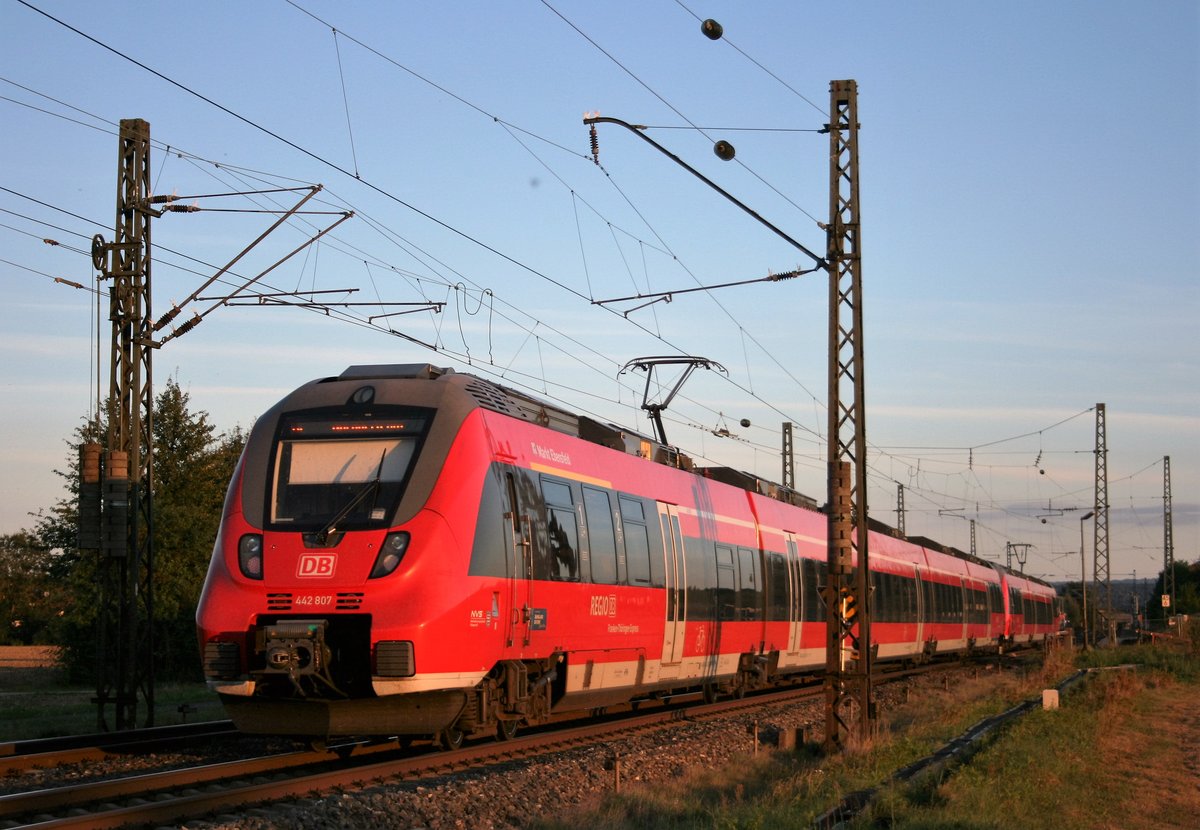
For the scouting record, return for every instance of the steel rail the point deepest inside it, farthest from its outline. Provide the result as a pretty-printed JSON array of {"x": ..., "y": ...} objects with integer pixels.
[{"x": 16, "y": 756}]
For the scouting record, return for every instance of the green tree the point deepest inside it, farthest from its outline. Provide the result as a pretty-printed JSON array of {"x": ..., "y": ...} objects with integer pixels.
[
  {"x": 1187, "y": 592},
  {"x": 31, "y": 598},
  {"x": 192, "y": 468},
  {"x": 56, "y": 529}
]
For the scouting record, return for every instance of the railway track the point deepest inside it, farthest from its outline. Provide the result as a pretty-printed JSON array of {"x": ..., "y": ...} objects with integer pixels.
[
  {"x": 17, "y": 756},
  {"x": 177, "y": 795},
  {"x": 173, "y": 796}
]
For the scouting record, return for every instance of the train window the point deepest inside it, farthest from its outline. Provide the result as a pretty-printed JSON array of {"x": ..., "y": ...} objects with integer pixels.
[
  {"x": 910, "y": 599},
  {"x": 777, "y": 587},
  {"x": 340, "y": 471},
  {"x": 489, "y": 554},
  {"x": 1030, "y": 611},
  {"x": 702, "y": 578},
  {"x": 813, "y": 574},
  {"x": 556, "y": 551},
  {"x": 883, "y": 596},
  {"x": 637, "y": 554},
  {"x": 556, "y": 492},
  {"x": 637, "y": 540},
  {"x": 724, "y": 556},
  {"x": 954, "y": 603},
  {"x": 632, "y": 510},
  {"x": 726, "y": 584},
  {"x": 562, "y": 548},
  {"x": 903, "y": 604},
  {"x": 602, "y": 540},
  {"x": 980, "y": 611},
  {"x": 749, "y": 596},
  {"x": 748, "y": 569}
]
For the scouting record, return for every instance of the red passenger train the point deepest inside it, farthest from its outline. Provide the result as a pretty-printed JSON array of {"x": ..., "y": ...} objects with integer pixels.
[{"x": 411, "y": 551}]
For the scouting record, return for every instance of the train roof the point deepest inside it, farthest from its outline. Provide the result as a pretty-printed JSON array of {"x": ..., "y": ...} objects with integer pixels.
[{"x": 524, "y": 406}]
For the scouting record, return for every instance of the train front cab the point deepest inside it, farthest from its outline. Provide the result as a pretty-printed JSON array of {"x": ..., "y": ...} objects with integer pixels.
[{"x": 338, "y": 571}]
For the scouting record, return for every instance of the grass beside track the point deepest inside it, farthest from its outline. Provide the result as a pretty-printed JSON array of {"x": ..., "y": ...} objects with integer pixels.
[
  {"x": 1122, "y": 751},
  {"x": 36, "y": 703}
]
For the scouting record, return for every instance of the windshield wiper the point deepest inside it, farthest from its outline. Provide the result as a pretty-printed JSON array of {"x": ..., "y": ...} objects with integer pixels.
[{"x": 367, "y": 489}]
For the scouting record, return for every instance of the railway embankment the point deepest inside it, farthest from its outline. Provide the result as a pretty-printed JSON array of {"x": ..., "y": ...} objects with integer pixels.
[
  {"x": 1122, "y": 750},
  {"x": 1090, "y": 763}
]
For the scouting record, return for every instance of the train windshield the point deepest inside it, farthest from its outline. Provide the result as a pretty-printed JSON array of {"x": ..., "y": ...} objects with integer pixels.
[{"x": 343, "y": 471}]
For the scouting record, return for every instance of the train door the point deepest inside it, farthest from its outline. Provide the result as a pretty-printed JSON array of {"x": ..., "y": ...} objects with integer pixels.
[
  {"x": 795, "y": 595},
  {"x": 676, "y": 585},
  {"x": 922, "y": 608},
  {"x": 964, "y": 594},
  {"x": 519, "y": 600}
]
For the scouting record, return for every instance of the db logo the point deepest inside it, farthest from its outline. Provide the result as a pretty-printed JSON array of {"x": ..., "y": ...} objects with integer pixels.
[{"x": 316, "y": 564}]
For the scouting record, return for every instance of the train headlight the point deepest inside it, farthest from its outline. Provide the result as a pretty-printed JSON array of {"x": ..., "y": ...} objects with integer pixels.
[
  {"x": 250, "y": 555},
  {"x": 394, "y": 547}
]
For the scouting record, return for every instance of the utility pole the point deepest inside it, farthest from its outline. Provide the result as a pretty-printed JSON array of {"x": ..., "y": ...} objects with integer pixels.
[
  {"x": 847, "y": 589},
  {"x": 1100, "y": 546},
  {"x": 849, "y": 707},
  {"x": 1168, "y": 543},
  {"x": 116, "y": 490},
  {"x": 900, "y": 510},
  {"x": 789, "y": 457},
  {"x": 125, "y": 564}
]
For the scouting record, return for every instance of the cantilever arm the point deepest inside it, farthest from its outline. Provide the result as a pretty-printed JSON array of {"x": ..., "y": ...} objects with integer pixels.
[{"x": 638, "y": 131}]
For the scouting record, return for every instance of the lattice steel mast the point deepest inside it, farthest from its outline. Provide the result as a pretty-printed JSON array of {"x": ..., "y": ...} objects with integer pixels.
[
  {"x": 1168, "y": 542},
  {"x": 789, "y": 457},
  {"x": 1100, "y": 555},
  {"x": 847, "y": 589},
  {"x": 125, "y": 617},
  {"x": 848, "y": 698}
]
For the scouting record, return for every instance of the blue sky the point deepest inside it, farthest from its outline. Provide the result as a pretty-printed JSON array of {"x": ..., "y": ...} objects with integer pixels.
[{"x": 1030, "y": 203}]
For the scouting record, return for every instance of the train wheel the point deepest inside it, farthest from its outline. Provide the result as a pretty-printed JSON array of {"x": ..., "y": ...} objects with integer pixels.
[
  {"x": 451, "y": 737},
  {"x": 710, "y": 692},
  {"x": 506, "y": 730}
]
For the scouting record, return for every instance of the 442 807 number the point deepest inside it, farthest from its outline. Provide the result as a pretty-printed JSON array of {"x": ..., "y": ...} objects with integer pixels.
[{"x": 313, "y": 600}]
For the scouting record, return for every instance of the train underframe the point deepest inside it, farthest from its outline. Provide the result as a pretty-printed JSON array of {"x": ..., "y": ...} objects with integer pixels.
[{"x": 313, "y": 679}]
